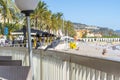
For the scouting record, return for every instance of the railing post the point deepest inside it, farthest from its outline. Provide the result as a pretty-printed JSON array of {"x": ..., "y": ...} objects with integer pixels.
[
  {"x": 73, "y": 71},
  {"x": 92, "y": 74},
  {"x": 117, "y": 78},
  {"x": 88, "y": 74},
  {"x": 103, "y": 76},
  {"x": 77, "y": 72},
  {"x": 84, "y": 73},
  {"x": 64, "y": 70},
  {"x": 110, "y": 77},
  {"x": 41, "y": 62},
  {"x": 97, "y": 75},
  {"x": 61, "y": 70},
  {"x": 80, "y": 72}
]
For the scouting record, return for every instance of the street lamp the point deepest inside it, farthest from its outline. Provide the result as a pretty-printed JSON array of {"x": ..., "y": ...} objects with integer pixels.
[
  {"x": 63, "y": 32},
  {"x": 63, "y": 26},
  {"x": 27, "y": 7}
]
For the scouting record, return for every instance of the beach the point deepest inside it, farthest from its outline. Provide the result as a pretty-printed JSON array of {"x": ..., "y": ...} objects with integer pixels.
[{"x": 93, "y": 49}]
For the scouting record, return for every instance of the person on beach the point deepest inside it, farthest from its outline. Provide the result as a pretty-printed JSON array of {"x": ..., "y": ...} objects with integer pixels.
[{"x": 104, "y": 51}]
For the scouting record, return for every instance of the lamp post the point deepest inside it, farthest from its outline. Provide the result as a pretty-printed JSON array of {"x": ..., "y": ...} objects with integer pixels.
[
  {"x": 27, "y": 7},
  {"x": 63, "y": 32},
  {"x": 63, "y": 26}
]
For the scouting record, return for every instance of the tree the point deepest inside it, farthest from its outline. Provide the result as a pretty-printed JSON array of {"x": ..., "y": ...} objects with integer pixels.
[
  {"x": 37, "y": 16},
  {"x": 12, "y": 27},
  {"x": 59, "y": 20},
  {"x": 3, "y": 9},
  {"x": 9, "y": 12},
  {"x": 42, "y": 18},
  {"x": 56, "y": 21},
  {"x": 47, "y": 20},
  {"x": 69, "y": 29}
]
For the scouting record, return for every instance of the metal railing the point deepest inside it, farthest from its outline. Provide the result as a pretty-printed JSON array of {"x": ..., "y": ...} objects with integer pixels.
[
  {"x": 56, "y": 65},
  {"x": 100, "y": 39}
]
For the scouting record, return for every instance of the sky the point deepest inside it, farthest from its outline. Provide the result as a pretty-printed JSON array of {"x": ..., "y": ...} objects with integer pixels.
[{"x": 104, "y": 13}]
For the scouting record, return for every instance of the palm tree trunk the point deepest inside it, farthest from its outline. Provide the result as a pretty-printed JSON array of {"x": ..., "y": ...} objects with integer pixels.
[
  {"x": 8, "y": 20},
  {"x": 4, "y": 21},
  {"x": 36, "y": 23}
]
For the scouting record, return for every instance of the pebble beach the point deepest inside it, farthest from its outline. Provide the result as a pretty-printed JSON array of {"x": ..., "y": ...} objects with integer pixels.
[{"x": 94, "y": 49}]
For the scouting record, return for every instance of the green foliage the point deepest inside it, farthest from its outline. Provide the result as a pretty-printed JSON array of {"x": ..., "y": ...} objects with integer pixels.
[
  {"x": 69, "y": 29},
  {"x": 12, "y": 27},
  {"x": 8, "y": 10},
  {"x": 42, "y": 18}
]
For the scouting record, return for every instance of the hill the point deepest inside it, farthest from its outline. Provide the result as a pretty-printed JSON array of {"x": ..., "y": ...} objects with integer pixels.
[
  {"x": 103, "y": 30},
  {"x": 118, "y": 31}
]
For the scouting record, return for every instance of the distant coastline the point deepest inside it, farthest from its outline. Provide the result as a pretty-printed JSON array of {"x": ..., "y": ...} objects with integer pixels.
[{"x": 104, "y": 30}]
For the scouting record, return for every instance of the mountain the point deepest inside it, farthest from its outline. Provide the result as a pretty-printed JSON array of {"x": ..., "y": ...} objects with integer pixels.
[
  {"x": 105, "y": 31},
  {"x": 118, "y": 31},
  {"x": 83, "y": 26}
]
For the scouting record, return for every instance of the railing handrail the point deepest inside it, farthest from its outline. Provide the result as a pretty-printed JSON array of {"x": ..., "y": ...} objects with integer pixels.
[{"x": 102, "y": 64}]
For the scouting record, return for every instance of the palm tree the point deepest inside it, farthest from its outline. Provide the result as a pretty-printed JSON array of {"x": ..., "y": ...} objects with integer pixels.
[
  {"x": 54, "y": 23},
  {"x": 8, "y": 10},
  {"x": 69, "y": 29},
  {"x": 47, "y": 20},
  {"x": 59, "y": 19},
  {"x": 3, "y": 8},
  {"x": 37, "y": 16}
]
